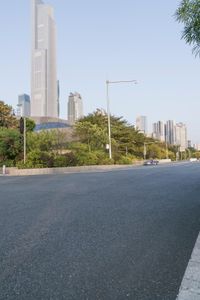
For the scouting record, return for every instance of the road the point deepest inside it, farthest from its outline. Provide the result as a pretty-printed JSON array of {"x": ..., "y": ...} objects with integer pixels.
[{"x": 113, "y": 235}]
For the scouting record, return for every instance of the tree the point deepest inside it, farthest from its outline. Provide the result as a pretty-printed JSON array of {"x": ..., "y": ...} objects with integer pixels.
[
  {"x": 43, "y": 141},
  {"x": 124, "y": 136},
  {"x": 10, "y": 145},
  {"x": 91, "y": 134},
  {"x": 7, "y": 118},
  {"x": 188, "y": 13},
  {"x": 30, "y": 125}
]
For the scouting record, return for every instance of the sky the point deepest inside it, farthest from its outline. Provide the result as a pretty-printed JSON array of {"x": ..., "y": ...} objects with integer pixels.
[{"x": 109, "y": 40}]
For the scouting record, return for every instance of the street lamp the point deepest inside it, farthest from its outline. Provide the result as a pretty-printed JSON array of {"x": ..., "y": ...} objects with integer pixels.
[{"x": 108, "y": 108}]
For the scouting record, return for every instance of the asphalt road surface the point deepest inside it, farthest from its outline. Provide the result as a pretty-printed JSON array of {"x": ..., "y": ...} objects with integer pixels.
[{"x": 112, "y": 235}]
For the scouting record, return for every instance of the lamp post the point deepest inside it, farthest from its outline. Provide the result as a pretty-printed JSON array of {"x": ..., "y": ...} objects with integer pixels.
[{"x": 108, "y": 108}]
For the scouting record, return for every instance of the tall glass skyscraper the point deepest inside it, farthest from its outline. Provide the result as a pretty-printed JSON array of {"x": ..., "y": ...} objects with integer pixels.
[{"x": 44, "y": 91}]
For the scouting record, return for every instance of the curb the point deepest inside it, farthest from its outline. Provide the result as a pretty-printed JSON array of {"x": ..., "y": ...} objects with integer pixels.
[
  {"x": 66, "y": 170},
  {"x": 190, "y": 286}
]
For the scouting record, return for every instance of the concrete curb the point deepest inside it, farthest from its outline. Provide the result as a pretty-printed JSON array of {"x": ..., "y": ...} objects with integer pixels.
[
  {"x": 50, "y": 171},
  {"x": 64, "y": 170},
  {"x": 190, "y": 286}
]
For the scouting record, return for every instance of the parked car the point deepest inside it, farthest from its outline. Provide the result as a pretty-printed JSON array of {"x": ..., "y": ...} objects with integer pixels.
[{"x": 151, "y": 162}]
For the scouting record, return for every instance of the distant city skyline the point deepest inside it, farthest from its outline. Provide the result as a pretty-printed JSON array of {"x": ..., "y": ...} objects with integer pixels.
[
  {"x": 149, "y": 49},
  {"x": 168, "y": 131}
]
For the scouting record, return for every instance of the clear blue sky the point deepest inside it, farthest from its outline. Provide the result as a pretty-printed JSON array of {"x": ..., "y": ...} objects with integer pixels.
[{"x": 115, "y": 40}]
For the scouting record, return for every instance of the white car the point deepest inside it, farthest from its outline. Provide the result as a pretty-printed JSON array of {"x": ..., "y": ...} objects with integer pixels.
[{"x": 193, "y": 159}]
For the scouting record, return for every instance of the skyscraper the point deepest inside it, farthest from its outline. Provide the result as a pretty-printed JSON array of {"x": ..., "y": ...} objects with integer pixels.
[
  {"x": 170, "y": 132},
  {"x": 141, "y": 124},
  {"x": 75, "y": 108},
  {"x": 43, "y": 75},
  {"x": 159, "y": 131},
  {"x": 181, "y": 136},
  {"x": 23, "y": 106}
]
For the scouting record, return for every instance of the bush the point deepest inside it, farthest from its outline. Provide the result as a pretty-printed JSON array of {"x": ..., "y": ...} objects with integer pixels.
[
  {"x": 86, "y": 158},
  {"x": 37, "y": 159},
  {"x": 106, "y": 161},
  {"x": 10, "y": 145},
  {"x": 65, "y": 160},
  {"x": 125, "y": 160},
  {"x": 8, "y": 163}
]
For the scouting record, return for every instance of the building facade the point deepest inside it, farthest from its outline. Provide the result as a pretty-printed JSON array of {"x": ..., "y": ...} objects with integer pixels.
[
  {"x": 181, "y": 136},
  {"x": 189, "y": 144},
  {"x": 141, "y": 124},
  {"x": 170, "y": 137},
  {"x": 23, "y": 106},
  {"x": 44, "y": 91},
  {"x": 75, "y": 108},
  {"x": 159, "y": 131}
]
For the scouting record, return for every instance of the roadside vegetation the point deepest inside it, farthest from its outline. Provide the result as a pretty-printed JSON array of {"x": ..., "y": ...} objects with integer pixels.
[
  {"x": 188, "y": 14},
  {"x": 53, "y": 148}
]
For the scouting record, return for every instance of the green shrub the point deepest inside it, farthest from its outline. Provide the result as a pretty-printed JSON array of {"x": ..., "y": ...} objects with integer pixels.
[
  {"x": 65, "y": 160},
  {"x": 37, "y": 159},
  {"x": 86, "y": 158},
  {"x": 8, "y": 163},
  {"x": 125, "y": 160}
]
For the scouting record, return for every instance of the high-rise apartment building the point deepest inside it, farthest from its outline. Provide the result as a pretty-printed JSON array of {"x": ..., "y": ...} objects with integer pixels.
[
  {"x": 159, "y": 131},
  {"x": 75, "y": 108},
  {"x": 189, "y": 144},
  {"x": 181, "y": 136},
  {"x": 172, "y": 133},
  {"x": 44, "y": 90},
  {"x": 23, "y": 106},
  {"x": 170, "y": 137},
  {"x": 141, "y": 124}
]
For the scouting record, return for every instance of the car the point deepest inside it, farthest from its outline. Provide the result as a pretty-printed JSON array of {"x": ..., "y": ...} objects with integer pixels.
[
  {"x": 151, "y": 162},
  {"x": 192, "y": 159}
]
